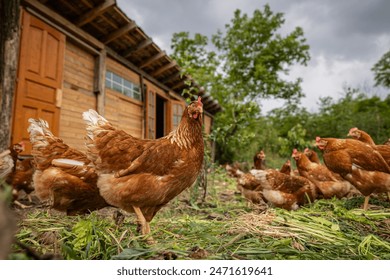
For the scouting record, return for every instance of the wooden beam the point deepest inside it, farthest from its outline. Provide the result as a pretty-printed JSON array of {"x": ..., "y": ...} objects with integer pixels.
[
  {"x": 179, "y": 84},
  {"x": 60, "y": 23},
  {"x": 206, "y": 98},
  {"x": 207, "y": 101},
  {"x": 95, "y": 12},
  {"x": 140, "y": 46},
  {"x": 153, "y": 59},
  {"x": 119, "y": 32},
  {"x": 164, "y": 68},
  {"x": 201, "y": 91},
  {"x": 172, "y": 77},
  {"x": 99, "y": 81},
  {"x": 214, "y": 106}
]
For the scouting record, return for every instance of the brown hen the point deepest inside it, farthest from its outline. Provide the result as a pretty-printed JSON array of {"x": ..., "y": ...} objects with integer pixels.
[
  {"x": 284, "y": 191},
  {"x": 363, "y": 136},
  {"x": 140, "y": 175},
  {"x": 312, "y": 155},
  {"x": 63, "y": 176},
  {"x": 22, "y": 179},
  {"x": 259, "y": 160},
  {"x": 328, "y": 183},
  {"x": 357, "y": 162},
  {"x": 286, "y": 168},
  {"x": 19, "y": 177}
]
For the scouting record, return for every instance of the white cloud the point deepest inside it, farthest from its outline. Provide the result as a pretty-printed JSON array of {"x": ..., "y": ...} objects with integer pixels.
[
  {"x": 346, "y": 38},
  {"x": 327, "y": 76}
]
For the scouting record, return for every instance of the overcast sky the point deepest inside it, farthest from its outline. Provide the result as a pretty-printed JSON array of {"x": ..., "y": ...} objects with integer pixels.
[{"x": 346, "y": 37}]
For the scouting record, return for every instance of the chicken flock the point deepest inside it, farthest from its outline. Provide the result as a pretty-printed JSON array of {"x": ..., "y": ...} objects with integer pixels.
[
  {"x": 141, "y": 176},
  {"x": 119, "y": 170},
  {"x": 351, "y": 166}
]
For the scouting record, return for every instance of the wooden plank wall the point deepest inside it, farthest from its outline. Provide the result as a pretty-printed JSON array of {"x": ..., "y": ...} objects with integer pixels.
[
  {"x": 122, "y": 111},
  {"x": 77, "y": 95},
  {"x": 207, "y": 124}
]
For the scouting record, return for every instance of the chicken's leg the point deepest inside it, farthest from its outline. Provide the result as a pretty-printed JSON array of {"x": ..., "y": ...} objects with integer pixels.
[
  {"x": 365, "y": 205},
  {"x": 145, "y": 228},
  {"x": 141, "y": 220},
  {"x": 21, "y": 205}
]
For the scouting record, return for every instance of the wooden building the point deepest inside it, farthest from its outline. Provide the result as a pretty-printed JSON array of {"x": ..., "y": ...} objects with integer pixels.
[{"x": 80, "y": 54}]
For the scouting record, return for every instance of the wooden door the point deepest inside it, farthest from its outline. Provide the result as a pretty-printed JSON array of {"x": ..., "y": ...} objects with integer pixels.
[{"x": 39, "y": 88}]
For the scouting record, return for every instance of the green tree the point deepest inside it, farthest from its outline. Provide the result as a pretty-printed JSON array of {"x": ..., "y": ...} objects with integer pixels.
[
  {"x": 195, "y": 59},
  {"x": 353, "y": 109},
  {"x": 247, "y": 65},
  {"x": 253, "y": 55},
  {"x": 381, "y": 71}
]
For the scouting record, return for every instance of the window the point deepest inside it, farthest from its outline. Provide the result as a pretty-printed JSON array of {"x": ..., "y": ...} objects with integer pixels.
[
  {"x": 120, "y": 84},
  {"x": 177, "y": 112}
]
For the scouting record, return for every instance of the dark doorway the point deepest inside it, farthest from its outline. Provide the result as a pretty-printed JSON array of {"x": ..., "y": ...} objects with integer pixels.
[{"x": 160, "y": 116}]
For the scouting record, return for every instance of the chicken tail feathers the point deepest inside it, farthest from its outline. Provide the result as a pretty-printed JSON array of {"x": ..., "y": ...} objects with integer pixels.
[
  {"x": 40, "y": 136},
  {"x": 95, "y": 124},
  {"x": 38, "y": 130}
]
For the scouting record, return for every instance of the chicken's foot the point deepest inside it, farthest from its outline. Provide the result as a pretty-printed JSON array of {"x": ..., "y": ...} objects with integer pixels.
[{"x": 21, "y": 205}]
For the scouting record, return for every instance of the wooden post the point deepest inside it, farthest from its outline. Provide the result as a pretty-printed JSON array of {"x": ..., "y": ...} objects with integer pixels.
[
  {"x": 99, "y": 81},
  {"x": 143, "y": 96},
  {"x": 9, "y": 54}
]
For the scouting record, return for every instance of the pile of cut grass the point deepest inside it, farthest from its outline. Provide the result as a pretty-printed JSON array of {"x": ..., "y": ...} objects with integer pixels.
[{"x": 223, "y": 227}]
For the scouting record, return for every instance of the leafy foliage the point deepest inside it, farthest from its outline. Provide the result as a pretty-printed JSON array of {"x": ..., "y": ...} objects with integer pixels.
[
  {"x": 253, "y": 55},
  {"x": 381, "y": 71},
  {"x": 354, "y": 109},
  {"x": 246, "y": 63}
]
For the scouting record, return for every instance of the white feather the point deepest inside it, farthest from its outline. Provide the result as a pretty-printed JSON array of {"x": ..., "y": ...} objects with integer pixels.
[
  {"x": 91, "y": 117},
  {"x": 93, "y": 121},
  {"x": 66, "y": 162},
  {"x": 39, "y": 130}
]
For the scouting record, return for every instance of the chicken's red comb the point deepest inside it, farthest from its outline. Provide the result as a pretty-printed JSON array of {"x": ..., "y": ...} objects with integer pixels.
[
  {"x": 353, "y": 129},
  {"x": 21, "y": 143},
  {"x": 295, "y": 151},
  {"x": 200, "y": 104},
  {"x": 306, "y": 150},
  {"x": 318, "y": 138}
]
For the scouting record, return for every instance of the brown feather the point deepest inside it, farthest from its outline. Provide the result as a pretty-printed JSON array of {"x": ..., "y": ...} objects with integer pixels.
[
  {"x": 328, "y": 183},
  {"x": 145, "y": 173},
  {"x": 68, "y": 187},
  {"x": 357, "y": 162}
]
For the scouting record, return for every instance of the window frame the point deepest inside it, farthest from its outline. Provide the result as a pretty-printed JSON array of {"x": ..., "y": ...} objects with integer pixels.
[{"x": 122, "y": 85}]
